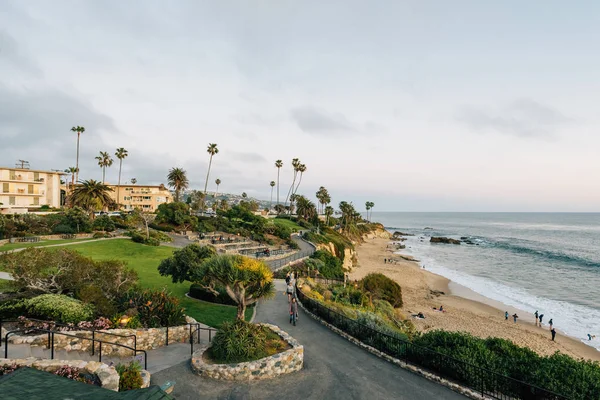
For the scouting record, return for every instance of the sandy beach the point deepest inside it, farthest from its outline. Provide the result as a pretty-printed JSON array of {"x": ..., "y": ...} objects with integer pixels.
[{"x": 481, "y": 318}]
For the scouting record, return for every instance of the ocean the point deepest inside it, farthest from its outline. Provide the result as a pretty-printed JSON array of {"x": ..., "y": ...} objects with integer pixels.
[{"x": 549, "y": 262}]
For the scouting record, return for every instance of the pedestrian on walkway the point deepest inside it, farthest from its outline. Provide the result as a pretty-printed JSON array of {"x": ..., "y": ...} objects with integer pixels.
[
  {"x": 293, "y": 311},
  {"x": 290, "y": 291}
]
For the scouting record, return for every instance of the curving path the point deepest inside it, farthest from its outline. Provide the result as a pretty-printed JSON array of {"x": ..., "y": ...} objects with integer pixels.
[{"x": 333, "y": 369}]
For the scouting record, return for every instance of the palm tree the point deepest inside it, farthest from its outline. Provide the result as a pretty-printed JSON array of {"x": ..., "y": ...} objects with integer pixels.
[
  {"x": 328, "y": 213},
  {"x": 218, "y": 182},
  {"x": 79, "y": 130},
  {"x": 368, "y": 207},
  {"x": 104, "y": 161},
  {"x": 133, "y": 181},
  {"x": 278, "y": 165},
  {"x": 272, "y": 186},
  {"x": 304, "y": 207},
  {"x": 323, "y": 197},
  {"x": 244, "y": 195},
  {"x": 120, "y": 154},
  {"x": 302, "y": 170},
  {"x": 212, "y": 150},
  {"x": 72, "y": 171},
  {"x": 295, "y": 165},
  {"x": 91, "y": 195},
  {"x": 178, "y": 180}
]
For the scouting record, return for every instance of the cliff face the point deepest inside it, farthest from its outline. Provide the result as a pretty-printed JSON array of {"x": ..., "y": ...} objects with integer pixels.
[{"x": 378, "y": 233}]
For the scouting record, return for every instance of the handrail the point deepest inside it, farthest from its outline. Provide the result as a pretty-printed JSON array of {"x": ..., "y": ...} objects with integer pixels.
[
  {"x": 76, "y": 328},
  {"x": 199, "y": 329},
  {"x": 51, "y": 334},
  {"x": 402, "y": 349}
]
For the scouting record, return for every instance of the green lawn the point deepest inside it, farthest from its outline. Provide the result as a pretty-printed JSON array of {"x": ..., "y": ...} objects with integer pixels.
[
  {"x": 145, "y": 259},
  {"x": 12, "y": 246},
  {"x": 5, "y": 286},
  {"x": 289, "y": 224}
]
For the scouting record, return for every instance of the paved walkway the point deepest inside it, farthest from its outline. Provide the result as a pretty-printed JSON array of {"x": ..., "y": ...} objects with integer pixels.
[
  {"x": 333, "y": 369},
  {"x": 305, "y": 250}
]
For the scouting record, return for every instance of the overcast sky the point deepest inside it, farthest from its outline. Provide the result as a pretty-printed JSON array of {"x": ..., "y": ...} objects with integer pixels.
[{"x": 416, "y": 106}]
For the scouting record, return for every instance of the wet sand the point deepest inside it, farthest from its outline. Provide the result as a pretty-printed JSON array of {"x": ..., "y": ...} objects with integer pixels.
[{"x": 465, "y": 310}]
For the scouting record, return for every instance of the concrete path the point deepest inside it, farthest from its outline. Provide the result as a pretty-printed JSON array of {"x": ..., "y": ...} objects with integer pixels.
[
  {"x": 333, "y": 369},
  {"x": 305, "y": 250}
]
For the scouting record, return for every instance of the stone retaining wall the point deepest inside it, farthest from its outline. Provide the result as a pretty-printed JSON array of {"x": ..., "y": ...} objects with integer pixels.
[
  {"x": 426, "y": 374},
  {"x": 147, "y": 339},
  {"x": 108, "y": 376},
  {"x": 282, "y": 363}
]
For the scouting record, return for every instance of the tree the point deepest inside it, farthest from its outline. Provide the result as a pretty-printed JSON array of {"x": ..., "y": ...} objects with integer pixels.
[
  {"x": 121, "y": 153},
  {"x": 145, "y": 217},
  {"x": 79, "y": 130},
  {"x": 104, "y": 160},
  {"x": 272, "y": 186},
  {"x": 302, "y": 170},
  {"x": 91, "y": 195},
  {"x": 218, "y": 182},
  {"x": 223, "y": 205},
  {"x": 328, "y": 213},
  {"x": 212, "y": 150},
  {"x": 72, "y": 171},
  {"x": 196, "y": 200},
  {"x": 305, "y": 208},
  {"x": 185, "y": 262},
  {"x": 133, "y": 181},
  {"x": 244, "y": 195},
  {"x": 369, "y": 206},
  {"x": 178, "y": 180},
  {"x": 278, "y": 165},
  {"x": 176, "y": 214},
  {"x": 323, "y": 197},
  {"x": 295, "y": 165},
  {"x": 244, "y": 279}
]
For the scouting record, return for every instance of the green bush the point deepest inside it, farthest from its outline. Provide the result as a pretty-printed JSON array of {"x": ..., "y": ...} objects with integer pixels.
[
  {"x": 140, "y": 238},
  {"x": 93, "y": 295},
  {"x": 59, "y": 308},
  {"x": 332, "y": 266},
  {"x": 154, "y": 308},
  {"x": 130, "y": 376},
  {"x": 103, "y": 223},
  {"x": 160, "y": 236},
  {"x": 349, "y": 295},
  {"x": 238, "y": 341},
  {"x": 161, "y": 227},
  {"x": 64, "y": 229},
  {"x": 13, "y": 308},
  {"x": 382, "y": 288}
]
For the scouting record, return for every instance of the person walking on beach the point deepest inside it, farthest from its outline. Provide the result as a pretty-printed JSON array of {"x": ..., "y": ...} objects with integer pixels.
[
  {"x": 536, "y": 317},
  {"x": 293, "y": 311},
  {"x": 550, "y": 323},
  {"x": 506, "y": 315},
  {"x": 515, "y": 316},
  {"x": 553, "y": 332},
  {"x": 541, "y": 316}
]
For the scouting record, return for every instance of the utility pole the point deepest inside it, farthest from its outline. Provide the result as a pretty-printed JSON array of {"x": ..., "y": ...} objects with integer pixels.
[{"x": 22, "y": 164}]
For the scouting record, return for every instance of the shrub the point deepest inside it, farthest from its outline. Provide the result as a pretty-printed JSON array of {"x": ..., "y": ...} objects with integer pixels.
[
  {"x": 332, "y": 266},
  {"x": 8, "y": 368},
  {"x": 383, "y": 288},
  {"x": 139, "y": 238},
  {"x": 162, "y": 227},
  {"x": 162, "y": 237},
  {"x": 13, "y": 308},
  {"x": 64, "y": 229},
  {"x": 155, "y": 308},
  {"x": 59, "y": 308},
  {"x": 103, "y": 223},
  {"x": 93, "y": 295},
  {"x": 238, "y": 341},
  {"x": 349, "y": 295},
  {"x": 100, "y": 235},
  {"x": 130, "y": 376}
]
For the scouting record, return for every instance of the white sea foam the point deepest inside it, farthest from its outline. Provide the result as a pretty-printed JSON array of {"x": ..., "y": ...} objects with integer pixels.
[{"x": 573, "y": 319}]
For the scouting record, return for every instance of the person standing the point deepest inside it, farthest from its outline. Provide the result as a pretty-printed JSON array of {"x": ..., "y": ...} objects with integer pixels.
[
  {"x": 541, "y": 316},
  {"x": 293, "y": 311},
  {"x": 515, "y": 316},
  {"x": 550, "y": 323},
  {"x": 506, "y": 315},
  {"x": 536, "y": 317},
  {"x": 553, "y": 332}
]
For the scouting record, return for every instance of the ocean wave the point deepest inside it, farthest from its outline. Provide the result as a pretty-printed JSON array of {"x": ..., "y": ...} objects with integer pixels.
[{"x": 552, "y": 255}]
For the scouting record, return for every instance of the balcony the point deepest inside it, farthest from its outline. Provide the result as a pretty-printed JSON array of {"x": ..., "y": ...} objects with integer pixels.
[{"x": 21, "y": 178}]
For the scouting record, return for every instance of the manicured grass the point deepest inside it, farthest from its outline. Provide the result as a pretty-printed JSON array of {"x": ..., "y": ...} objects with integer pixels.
[
  {"x": 288, "y": 224},
  {"x": 13, "y": 246},
  {"x": 145, "y": 259},
  {"x": 5, "y": 286}
]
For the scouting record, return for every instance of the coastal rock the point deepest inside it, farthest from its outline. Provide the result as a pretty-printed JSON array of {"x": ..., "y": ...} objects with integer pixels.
[
  {"x": 398, "y": 233},
  {"x": 443, "y": 239},
  {"x": 427, "y": 228}
]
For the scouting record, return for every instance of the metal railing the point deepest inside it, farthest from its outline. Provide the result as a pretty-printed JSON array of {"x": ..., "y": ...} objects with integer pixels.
[
  {"x": 195, "y": 335},
  {"x": 484, "y": 381},
  {"x": 274, "y": 264},
  {"x": 50, "y": 344}
]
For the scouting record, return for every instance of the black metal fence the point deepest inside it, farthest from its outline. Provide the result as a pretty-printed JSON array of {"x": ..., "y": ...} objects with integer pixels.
[
  {"x": 196, "y": 335},
  {"x": 275, "y": 264},
  {"x": 481, "y": 380}
]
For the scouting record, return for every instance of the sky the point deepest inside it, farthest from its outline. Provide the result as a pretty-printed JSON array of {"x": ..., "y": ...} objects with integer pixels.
[{"x": 415, "y": 106}]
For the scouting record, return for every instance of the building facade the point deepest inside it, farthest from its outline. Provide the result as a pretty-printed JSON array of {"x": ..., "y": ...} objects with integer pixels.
[
  {"x": 22, "y": 189},
  {"x": 146, "y": 198}
]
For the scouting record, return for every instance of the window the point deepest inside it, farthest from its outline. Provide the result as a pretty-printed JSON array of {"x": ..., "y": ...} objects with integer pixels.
[
  {"x": 127, "y": 198},
  {"x": 36, "y": 176},
  {"x": 5, "y": 188},
  {"x": 147, "y": 197},
  {"x": 30, "y": 189},
  {"x": 11, "y": 201},
  {"x": 13, "y": 175},
  {"x": 128, "y": 189},
  {"x": 36, "y": 201}
]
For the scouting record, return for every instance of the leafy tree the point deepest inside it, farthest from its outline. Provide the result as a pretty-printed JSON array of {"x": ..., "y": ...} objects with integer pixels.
[
  {"x": 245, "y": 280},
  {"x": 196, "y": 200},
  {"x": 184, "y": 263},
  {"x": 178, "y": 180},
  {"x": 79, "y": 130},
  {"x": 91, "y": 195},
  {"x": 223, "y": 205},
  {"x": 382, "y": 288},
  {"x": 332, "y": 266},
  {"x": 278, "y": 165},
  {"x": 104, "y": 223},
  {"x": 121, "y": 153},
  {"x": 104, "y": 160},
  {"x": 77, "y": 219},
  {"x": 176, "y": 214}
]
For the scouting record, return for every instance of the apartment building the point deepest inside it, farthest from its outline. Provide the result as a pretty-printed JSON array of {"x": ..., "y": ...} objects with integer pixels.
[
  {"x": 144, "y": 197},
  {"x": 22, "y": 189}
]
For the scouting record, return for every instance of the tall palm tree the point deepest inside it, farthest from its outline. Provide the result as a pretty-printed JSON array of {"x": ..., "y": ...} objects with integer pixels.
[
  {"x": 91, "y": 195},
  {"x": 178, "y": 180},
  {"x": 295, "y": 165},
  {"x": 278, "y": 165},
  {"x": 212, "y": 150},
  {"x": 72, "y": 171},
  {"x": 328, "y": 213},
  {"x": 302, "y": 170},
  {"x": 104, "y": 160},
  {"x": 272, "y": 186},
  {"x": 368, "y": 207},
  {"x": 121, "y": 153},
  {"x": 218, "y": 182},
  {"x": 133, "y": 181},
  {"x": 79, "y": 130}
]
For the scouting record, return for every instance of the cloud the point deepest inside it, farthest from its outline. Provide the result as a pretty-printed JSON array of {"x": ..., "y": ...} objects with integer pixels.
[
  {"x": 317, "y": 121},
  {"x": 522, "y": 118}
]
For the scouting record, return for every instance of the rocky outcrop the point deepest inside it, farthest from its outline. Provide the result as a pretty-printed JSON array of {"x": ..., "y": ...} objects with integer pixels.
[
  {"x": 269, "y": 367},
  {"x": 442, "y": 239},
  {"x": 398, "y": 233}
]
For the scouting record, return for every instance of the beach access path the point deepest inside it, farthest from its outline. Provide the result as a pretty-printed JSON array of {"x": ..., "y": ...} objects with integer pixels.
[{"x": 334, "y": 368}]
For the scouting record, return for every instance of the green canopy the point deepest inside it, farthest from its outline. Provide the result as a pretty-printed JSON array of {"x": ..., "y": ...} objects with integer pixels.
[{"x": 32, "y": 384}]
